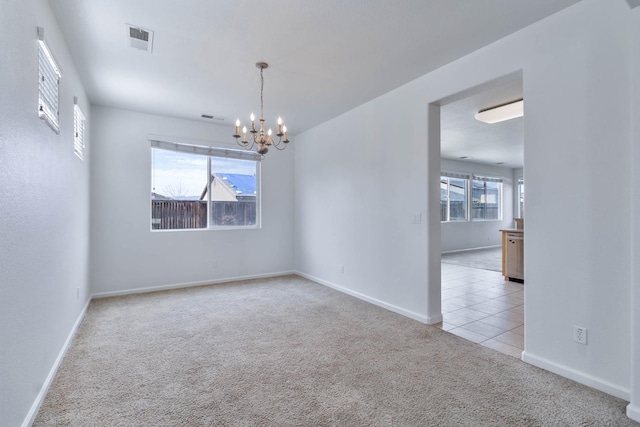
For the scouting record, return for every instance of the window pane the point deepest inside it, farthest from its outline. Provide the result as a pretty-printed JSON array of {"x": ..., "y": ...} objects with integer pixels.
[
  {"x": 478, "y": 199},
  {"x": 457, "y": 199},
  {"x": 521, "y": 199},
  {"x": 486, "y": 200},
  {"x": 492, "y": 200},
  {"x": 233, "y": 192},
  {"x": 444, "y": 198},
  {"x": 178, "y": 190}
]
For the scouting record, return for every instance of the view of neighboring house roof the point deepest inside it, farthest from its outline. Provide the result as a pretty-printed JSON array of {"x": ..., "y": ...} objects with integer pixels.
[
  {"x": 158, "y": 196},
  {"x": 241, "y": 184},
  {"x": 453, "y": 195}
]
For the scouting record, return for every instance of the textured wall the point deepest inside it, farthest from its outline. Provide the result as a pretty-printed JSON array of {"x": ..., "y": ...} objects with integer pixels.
[
  {"x": 634, "y": 407},
  {"x": 44, "y": 211},
  {"x": 127, "y": 255},
  {"x": 576, "y": 82}
]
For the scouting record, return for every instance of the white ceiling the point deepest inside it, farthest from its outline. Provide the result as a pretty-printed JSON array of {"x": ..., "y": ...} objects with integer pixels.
[
  {"x": 325, "y": 57},
  {"x": 464, "y": 136}
]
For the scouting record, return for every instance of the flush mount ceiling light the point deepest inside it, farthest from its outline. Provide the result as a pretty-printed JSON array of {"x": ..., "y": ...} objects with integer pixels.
[
  {"x": 502, "y": 112},
  {"x": 259, "y": 138}
]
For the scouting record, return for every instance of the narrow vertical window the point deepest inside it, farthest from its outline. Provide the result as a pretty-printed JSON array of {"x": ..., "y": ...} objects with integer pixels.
[
  {"x": 78, "y": 130},
  {"x": 49, "y": 76}
]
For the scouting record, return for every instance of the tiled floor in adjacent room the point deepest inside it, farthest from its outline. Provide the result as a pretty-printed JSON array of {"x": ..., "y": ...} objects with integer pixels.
[{"x": 480, "y": 306}]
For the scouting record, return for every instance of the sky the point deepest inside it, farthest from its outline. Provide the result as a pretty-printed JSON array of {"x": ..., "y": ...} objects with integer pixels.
[{"x": 177, "y": 174}]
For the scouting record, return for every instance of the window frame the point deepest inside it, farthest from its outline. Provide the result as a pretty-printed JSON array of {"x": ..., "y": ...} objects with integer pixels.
[
  {"x": 210, "y": 152},
  {"x": 456, "y": 175},
  {"x": 520, "y": 197},
  {"x": 48, "y": 93},
  {"x": 485, "y": 179}
]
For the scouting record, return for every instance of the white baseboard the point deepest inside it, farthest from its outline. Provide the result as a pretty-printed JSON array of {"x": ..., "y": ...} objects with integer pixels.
[
  {"x": 411, "y": 314},
  {"x": 633, "y": 412},
  {"x": 31, "y": 416},
  {"x": 455, "y": 251},
  {"x": 188, "y": 284},
  {"x": 577, "y": 376}
]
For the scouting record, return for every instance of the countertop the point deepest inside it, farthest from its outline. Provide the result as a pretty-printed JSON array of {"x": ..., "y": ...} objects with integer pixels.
[{"x": 513, "y": 230}]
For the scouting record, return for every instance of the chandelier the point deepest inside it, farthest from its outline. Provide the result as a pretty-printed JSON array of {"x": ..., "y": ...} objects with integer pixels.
[{"x": 261, "y": 138}]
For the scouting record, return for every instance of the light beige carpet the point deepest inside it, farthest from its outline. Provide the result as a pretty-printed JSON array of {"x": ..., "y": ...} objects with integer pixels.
[{"x": 286, "y": 351}]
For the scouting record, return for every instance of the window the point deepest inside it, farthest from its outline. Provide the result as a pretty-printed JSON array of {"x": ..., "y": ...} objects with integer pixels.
[
  {"x": 486, "y": 198},
  {"x": 49, "y": 76},
  {"x": 453, "y": 197},
  {"x": 520, "y": 197},
  {"x": 203, "y": 187},
  {"x": 78, "y": 130}
]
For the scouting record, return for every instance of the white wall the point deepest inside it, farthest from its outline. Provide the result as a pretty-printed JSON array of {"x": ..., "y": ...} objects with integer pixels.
[
  {"x": 575, "y": 66},
  {"x": 634, "y": 407},
  {"x": 126, "y": 255},
  {"x": 462, "y": 235},
  {"x": 44, "y": 212}
]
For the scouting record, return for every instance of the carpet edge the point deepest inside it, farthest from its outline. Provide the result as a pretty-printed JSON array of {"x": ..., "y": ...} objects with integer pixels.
[
  {"x": 37, "y": 403},
  {"x": 188, "y": 284},
  {"x": 429, "y": 320}
]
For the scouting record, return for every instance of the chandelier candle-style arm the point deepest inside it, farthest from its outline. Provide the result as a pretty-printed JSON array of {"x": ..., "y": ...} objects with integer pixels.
[{"x": 262, "y": 139}]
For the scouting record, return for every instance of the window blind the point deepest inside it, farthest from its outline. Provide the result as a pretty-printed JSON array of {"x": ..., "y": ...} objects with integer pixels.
[
  {"x": 205, "y": 151},
  {"x": 486, "y": 178},
  {"x": 78, "y": 131},
  {"x": 458, "y": 175},
  {"x": 49, "y": 76}
]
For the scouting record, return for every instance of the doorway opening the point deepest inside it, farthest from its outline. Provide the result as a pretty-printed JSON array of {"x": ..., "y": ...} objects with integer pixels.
[{"x": 481, "y": 194}]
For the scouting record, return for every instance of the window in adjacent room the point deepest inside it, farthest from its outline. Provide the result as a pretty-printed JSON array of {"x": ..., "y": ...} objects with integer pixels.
[
  {"x": 49, "y": 76},
  {"x": 78, "y": 130},
  {"x": 196, "y": 187},
  {"x": 453, "y": 197},
  {"x": 521, "y": 198},
  {"x": 486, "y": 198}
]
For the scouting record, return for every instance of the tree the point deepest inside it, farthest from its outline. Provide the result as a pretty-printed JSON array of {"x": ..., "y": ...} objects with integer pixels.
[{"x": 175, "y": 189}]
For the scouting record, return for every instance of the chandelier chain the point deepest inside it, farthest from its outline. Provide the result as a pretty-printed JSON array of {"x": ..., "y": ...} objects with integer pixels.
[{"x": 261, "y": 94}]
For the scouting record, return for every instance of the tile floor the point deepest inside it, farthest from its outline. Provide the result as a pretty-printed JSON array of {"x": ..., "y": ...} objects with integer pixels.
[{"x": 480, "y": 306}]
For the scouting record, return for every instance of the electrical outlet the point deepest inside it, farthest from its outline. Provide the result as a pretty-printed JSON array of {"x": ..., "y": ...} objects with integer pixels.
[
  {"x": 580, "y": 335},
  {"x": 341, "y": 268},
  {"x": 214, "y": 263}
]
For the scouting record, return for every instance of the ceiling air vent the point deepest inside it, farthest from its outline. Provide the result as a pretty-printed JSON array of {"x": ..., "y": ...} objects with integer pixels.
[
  {"x": 212, "y": 117},
  {"x": 139, "y": 38}
]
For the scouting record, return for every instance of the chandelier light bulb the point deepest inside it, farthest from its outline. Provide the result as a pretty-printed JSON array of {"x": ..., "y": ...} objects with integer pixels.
[
  {"x": 279, "y": 120},
  {"x": 252, "y": 117},
  {"x": 269, "y": 132},
  {"x": 284, "y": 129}
]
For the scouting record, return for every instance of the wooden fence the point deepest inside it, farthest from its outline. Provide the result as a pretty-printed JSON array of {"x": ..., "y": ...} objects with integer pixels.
[
  {"x": 189, "y": 214},
  {"x": 458, "y": 211}
]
